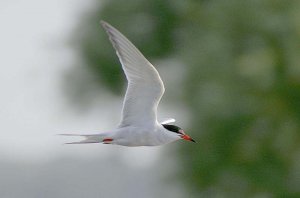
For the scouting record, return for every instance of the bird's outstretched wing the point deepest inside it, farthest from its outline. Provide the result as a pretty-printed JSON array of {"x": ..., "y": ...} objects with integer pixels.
[{"x": 145, "y": 87}]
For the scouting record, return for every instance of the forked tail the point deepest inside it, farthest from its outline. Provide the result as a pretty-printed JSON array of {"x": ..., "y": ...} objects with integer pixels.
[{"x": 89, "y": 139}]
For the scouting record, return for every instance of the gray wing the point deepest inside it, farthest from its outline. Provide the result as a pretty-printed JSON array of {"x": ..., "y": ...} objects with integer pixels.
[{"x": 145, "y": 87}]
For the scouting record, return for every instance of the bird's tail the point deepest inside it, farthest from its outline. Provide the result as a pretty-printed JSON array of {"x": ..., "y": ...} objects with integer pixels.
[{"x": 88, "y": 139}]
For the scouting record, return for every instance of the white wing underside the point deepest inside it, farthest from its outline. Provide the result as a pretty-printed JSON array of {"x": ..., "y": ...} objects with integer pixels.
[{"x": 145, "y": 87}]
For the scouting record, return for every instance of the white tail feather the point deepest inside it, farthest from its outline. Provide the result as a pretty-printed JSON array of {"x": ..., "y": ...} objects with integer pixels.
[{"x": 96, "y": 138}]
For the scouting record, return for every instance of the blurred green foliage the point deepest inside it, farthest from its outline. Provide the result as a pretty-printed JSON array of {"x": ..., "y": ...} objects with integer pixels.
[{"x": 241, "y": 85}]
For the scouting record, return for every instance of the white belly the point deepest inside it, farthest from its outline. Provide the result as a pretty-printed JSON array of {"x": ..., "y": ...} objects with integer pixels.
[{"x": 140, "y": 136}]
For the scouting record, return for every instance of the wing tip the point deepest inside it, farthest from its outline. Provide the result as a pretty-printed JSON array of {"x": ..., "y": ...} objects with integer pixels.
[
  {"x": 106, "y": 25},
  {"x": 103, "y": 23},
  {"x": 168, "y": 120}
]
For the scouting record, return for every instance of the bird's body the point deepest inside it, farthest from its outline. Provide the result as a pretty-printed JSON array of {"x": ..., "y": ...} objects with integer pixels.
[
  {"x": 142, "y": 136},
  {"x": 150, "y": 135},
  {"x": 139, "y": 125}
]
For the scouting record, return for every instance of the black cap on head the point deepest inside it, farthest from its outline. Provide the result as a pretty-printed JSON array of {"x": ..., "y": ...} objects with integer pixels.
[{"x": 172, "y": 128}]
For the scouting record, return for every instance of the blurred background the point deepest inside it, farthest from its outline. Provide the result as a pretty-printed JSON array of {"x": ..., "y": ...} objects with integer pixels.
[{"x": 232, "y": 75}]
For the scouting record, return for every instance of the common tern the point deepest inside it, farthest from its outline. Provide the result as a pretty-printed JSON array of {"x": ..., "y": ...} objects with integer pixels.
[{"x": 139, "y": 125}]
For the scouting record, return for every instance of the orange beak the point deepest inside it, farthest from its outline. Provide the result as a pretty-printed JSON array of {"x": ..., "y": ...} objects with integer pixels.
[{"x": 186, "y": 137}]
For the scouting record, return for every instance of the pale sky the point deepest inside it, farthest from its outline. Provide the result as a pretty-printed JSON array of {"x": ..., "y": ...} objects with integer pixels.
[{"x": 33, "y": 107}]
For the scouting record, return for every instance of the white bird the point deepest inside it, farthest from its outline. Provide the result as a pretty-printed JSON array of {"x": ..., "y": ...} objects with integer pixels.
[{"x": 139, "y": 125}]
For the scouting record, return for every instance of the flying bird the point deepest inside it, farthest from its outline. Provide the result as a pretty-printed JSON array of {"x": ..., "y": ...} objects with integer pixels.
[{"x": 139, "y": 125}]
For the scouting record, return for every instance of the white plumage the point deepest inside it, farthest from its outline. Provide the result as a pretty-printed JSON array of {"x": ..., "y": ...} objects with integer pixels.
[
  {"x": 139, "y": 125},
  {"x": 145, "y": 87}
]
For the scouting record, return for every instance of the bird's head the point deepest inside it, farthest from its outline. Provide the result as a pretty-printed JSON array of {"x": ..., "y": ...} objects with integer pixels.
[{"x": 179, "y": 131}]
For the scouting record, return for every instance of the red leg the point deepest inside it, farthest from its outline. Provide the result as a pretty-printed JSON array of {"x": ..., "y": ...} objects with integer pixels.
[{"x": 107, "y": 140}]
